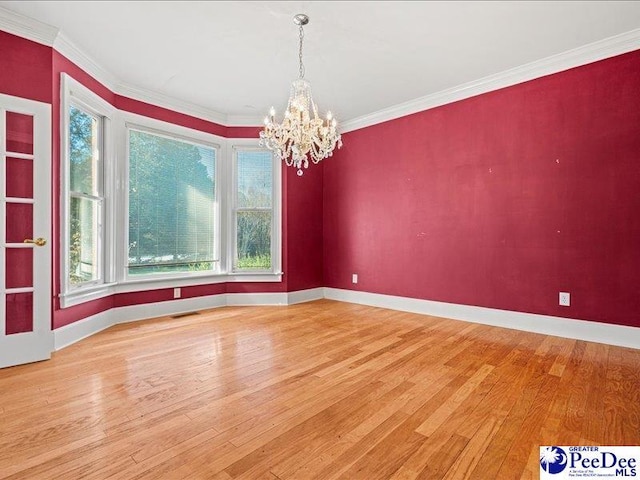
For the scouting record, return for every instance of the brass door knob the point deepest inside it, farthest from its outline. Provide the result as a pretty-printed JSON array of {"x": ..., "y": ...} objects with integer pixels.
[{"x": 38, "y": 242}]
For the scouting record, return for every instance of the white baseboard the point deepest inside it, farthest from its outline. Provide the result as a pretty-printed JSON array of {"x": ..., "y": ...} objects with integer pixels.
[
  {"x": 242, "y": 299},
  {"x": 302, "y": 296},
  {"x": 133, "y": 313},
  {"x": 74, "y": 332},
  {"x": 610, "y": 334}
]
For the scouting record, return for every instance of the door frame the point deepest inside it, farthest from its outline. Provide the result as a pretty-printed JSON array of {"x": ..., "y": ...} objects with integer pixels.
[{"x": 36, "y": 345}]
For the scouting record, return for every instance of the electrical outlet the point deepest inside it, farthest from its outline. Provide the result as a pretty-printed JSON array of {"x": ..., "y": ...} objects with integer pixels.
[
  {"x": 354, "y": 278},
  {"x": 565, "y": 299},
  {"x": 176, "y": 292}
]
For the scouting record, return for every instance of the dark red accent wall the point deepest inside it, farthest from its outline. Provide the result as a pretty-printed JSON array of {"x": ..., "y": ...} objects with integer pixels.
[
  {"x": 25, "y": 68},
  {"x": 501, "y": 200},
  {"x": 305, "y": 251}
]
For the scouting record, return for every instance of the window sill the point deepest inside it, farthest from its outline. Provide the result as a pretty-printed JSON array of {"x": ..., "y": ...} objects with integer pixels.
[
  {"x": 140, "y": 285},
  {"x": 95, "y": 292}
]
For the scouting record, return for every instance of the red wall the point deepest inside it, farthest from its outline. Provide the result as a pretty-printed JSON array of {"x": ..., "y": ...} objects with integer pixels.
[
  {"x": 501, "y": 200},
  {"x": 25, "y": 68},
  {"x": 305, "y": 253}
]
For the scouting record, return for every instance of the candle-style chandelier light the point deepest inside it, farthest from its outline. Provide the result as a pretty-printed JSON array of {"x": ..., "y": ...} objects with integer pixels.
[{"x": 302, "y": 135}]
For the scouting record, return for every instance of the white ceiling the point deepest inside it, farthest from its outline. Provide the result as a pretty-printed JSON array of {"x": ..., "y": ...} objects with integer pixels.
[{"x": 238, "y": 58}]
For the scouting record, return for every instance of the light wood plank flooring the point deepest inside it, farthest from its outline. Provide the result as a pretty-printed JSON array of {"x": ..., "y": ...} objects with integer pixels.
[{"x": 319, "y": 390}]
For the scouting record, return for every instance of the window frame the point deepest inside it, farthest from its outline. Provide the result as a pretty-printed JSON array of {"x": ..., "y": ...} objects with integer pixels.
[
  {"x": 73, "y": 93},
  {"x": 115, "y": 166},
  {"x": 251, "y": 145},
  {"x": 184, "y": 135}
]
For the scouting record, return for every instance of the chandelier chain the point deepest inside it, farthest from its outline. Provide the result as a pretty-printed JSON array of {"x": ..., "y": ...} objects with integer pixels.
[{"x": 301, "y": 68}]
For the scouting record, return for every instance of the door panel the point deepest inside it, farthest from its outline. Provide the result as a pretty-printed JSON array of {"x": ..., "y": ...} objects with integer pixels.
[
  {"x": 19, "y": 313},
  {"x": 18, "y": 268},
  {"x": 20, "y": 173},
  {"x": 25, "y": 228},
  {"x": 19, "y": 132},
  {"x": 19, "y": 222}
]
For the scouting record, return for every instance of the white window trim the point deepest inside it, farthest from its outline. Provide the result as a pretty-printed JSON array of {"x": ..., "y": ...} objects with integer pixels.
[
  {"x": 74, "y": 92},
  {"x": 116, "y": 190},
  {"x": 224, "y": 189},
  {"x": 276, "y": 209},
  {"x": 162, "y": 129}
]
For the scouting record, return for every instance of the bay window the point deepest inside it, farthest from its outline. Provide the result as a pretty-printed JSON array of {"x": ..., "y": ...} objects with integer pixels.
[{"x": 146, "y": 204}]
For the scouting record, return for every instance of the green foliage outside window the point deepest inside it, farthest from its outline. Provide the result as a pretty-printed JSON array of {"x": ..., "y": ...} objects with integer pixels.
[
  {"x": 84, "y": 179},
  {"x": 254, "y": 191},
  {"x": 171, "y": 205}
]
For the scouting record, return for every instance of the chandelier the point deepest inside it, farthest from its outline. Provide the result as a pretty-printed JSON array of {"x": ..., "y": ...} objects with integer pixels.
[{"x": 302, "y": 135}]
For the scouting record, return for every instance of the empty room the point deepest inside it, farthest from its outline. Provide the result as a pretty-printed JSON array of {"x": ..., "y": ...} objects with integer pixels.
[{"x": 303, "y": 240}]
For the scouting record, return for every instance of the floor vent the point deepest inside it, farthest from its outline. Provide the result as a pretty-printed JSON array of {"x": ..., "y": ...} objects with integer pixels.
[{"x": 186, "y": 314}]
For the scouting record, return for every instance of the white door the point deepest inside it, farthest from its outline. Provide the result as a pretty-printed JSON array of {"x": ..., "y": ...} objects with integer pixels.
[{"x": 25, "y": 231}]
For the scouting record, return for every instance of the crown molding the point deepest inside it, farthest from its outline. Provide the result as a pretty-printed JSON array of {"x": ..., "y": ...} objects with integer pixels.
[
  {"x": 244, "y": 121},
  {"x": 592, "y": 52},
  {"x": 45, "y": 34},
  {"x": 171, "y": 103},
  {"x": 63, "y": 45},
  {"x": 27, "y": 27}
]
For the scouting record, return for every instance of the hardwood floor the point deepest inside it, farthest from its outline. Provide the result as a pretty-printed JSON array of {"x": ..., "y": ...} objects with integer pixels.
[{"x": 319, "y": 390}]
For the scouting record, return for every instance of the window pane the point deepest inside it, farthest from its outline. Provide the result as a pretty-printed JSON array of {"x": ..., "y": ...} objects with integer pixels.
[
  {"x": 83, "y": 249},
  {"x": 172, "y": 205},
  {"x": 84, "y": 154},
  {"x": 254, "y": 240},
  {"x": 255, "y": 179}
]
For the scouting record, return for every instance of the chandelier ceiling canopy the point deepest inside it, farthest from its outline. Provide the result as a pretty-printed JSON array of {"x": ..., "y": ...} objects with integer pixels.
[{"x": 302, "y": 135}]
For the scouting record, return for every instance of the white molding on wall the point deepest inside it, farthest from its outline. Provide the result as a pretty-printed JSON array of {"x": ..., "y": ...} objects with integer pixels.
[
  {"x": 51, "y": 36},
  {"x": 145, "y": 311},
  {"x": 302, "y": 296},
  {"x": 247, "y": 299},
  {"x": 63, "y": 45},
  {"x": 592, "y": 52},
  {"x": 610, "y": 334},
  {"x": 245, "y": 120},
  {"x": 27, "y": 27},
  {"x": 165, "y": 101},
  {"x": 74, "y": 332}
]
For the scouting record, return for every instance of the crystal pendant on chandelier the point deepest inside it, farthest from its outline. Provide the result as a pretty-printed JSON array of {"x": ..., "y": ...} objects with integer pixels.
[{"x": 302, "y": 135}]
